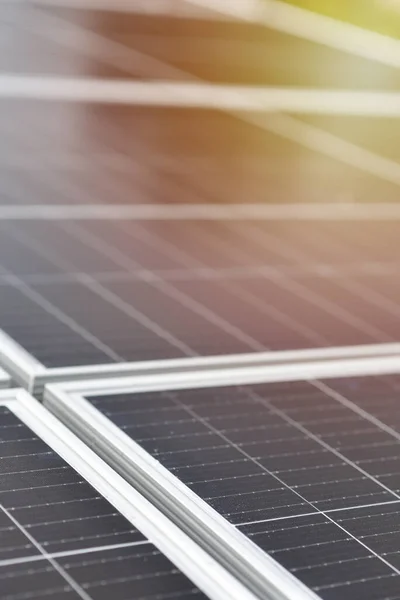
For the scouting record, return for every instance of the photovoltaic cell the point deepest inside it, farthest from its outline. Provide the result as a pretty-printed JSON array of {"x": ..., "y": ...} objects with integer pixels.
[
  {"x": 76, "y": 293},
  {"x": 306, "y": 470},
  {"x": 61, "y": 539}
]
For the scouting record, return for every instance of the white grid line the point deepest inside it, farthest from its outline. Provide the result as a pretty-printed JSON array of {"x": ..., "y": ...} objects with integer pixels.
[{"x": 70, "y": 553}]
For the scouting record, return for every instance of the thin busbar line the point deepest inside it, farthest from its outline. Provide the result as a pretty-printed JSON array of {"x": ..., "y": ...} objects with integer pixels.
[
  {"x": 329, "y": 510},
  {"x": 70, "y": 553}
]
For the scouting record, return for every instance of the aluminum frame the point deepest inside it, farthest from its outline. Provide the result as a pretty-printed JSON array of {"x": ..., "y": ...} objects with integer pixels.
[
  {"x": 33, "y": 375},
  {"x": 330, "y": 211},
  {"x": 5, "y": 380},
  {"x": 206, "y": 526},
  {"x": 193, "y": 561}
]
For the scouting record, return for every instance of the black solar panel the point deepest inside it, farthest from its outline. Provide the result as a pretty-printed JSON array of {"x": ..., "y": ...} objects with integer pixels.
[
  {"x": 61, "y": 539},
  {"x": 307, "y": 471},
  {"x": 76, "y": 293}
]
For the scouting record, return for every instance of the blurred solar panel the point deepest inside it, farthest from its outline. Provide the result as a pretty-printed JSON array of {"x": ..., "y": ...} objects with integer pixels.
[
  {"x": 93, "y": 292},
  {"x": 305, "y": 470},
  {"x": 218, "y": 49},
  {"x": 82, "y": 153}
]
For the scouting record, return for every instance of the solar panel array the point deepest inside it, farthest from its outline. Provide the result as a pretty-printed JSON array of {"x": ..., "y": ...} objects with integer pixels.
[
  {"x": 193, "y": 288},
  {"x": 307, "y": 471}
]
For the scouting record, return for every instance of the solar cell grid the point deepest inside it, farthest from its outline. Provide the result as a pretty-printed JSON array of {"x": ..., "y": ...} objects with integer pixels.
[
  {"x": 131, "y": 291},
  {"x": 306, "y": 470}
]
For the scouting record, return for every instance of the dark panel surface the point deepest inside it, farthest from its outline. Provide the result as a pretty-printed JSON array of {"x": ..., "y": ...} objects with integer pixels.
[
  {"x": 61, "y": 539},
  {"x": 88, "y": 292},
  {"x": 306, "y": 470}
]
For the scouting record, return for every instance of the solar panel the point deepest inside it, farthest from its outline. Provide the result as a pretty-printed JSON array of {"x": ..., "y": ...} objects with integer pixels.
[
  {"x": 227, "y": 50},
  {"x": 112, "y": 154},
  {"x": 62, "y": 538},
  {"x": 81, "y": 293},
  {"x": 304, "y": 469}
]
